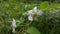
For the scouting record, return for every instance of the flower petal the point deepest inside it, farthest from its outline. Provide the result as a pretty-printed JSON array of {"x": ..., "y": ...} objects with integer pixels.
[
  {"x": 30, "y": 12},
  {"x": 35, "y": 9},
  {"x": 39, "y": 13},
  {"x": 13, "y": 30},
  {"x": 30, "y": 18},
  {"x": 13, "y": 23}
]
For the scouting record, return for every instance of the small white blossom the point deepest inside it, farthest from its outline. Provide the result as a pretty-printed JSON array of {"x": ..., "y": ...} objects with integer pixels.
[
  {"x": 34, "y": 13},
  {"x": 13, "y": 25},
  {"x": 13, "y": 30}
]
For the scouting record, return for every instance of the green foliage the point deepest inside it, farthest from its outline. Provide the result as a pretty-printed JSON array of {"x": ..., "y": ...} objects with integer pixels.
[
  {"x": 48, "y": 23},
  {"x": 43, "y": 5},
  {"x": 54, "y": 5},
  {"x": 33, "y": 30}
]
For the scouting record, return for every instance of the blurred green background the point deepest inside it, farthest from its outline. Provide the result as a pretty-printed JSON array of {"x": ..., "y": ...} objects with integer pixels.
[{"x": 48, "y": 23}]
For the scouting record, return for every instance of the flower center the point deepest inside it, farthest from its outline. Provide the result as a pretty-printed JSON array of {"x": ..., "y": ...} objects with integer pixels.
[{"x": 34, "y": 14}]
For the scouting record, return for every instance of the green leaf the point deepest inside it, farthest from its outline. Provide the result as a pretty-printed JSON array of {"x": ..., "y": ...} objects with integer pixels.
[
  {"x": 43, "y": 5},
  {"x": 53, "y": 5},
  {"x": 20, "y": 21},
  {"x": 33, "y": 30}
]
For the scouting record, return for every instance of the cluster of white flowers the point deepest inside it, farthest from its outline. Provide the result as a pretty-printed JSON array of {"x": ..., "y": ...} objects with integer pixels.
[
  {"x": 34, "y": 13},
  {"x": 13, "y": 25}
]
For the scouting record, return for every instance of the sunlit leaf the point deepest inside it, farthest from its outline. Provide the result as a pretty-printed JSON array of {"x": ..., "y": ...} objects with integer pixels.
[{"x": 33, "y": 30}]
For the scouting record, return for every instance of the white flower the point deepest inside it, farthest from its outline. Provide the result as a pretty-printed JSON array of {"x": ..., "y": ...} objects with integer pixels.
[
  {"x": 34, "y": 13},
  {"x": 30, "y": 18},
  {"x": 13, "y": 30},
  {"x": 13, "y": 25}
]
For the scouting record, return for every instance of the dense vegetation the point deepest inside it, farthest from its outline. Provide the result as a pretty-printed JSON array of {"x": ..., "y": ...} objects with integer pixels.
[{"x": 48, "y": 23}]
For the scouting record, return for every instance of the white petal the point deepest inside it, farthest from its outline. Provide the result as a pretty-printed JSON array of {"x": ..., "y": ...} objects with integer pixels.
[
  {"x": 30, "y": 18},
  {"x": 40, "y": 12},
  {"x": 35, "y": 9},
  {"x": 13, "y": 23},
  {"x": 13, "y": 30},
  {"x": 30, "y": 12}
]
